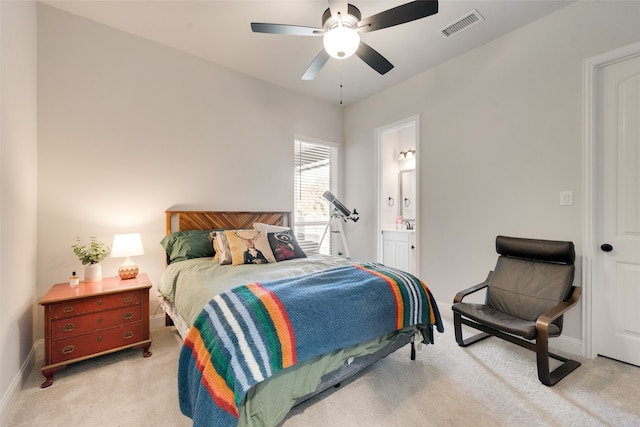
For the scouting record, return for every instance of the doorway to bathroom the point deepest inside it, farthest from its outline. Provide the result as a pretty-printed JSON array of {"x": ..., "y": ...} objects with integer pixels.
[{"x": 397, "y": 201}]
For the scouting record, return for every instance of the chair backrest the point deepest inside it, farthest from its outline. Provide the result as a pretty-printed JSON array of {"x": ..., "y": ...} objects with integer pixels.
[{"x": 531, "y": 276}]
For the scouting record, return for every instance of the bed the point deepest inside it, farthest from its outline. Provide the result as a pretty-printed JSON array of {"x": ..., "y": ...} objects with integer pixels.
[{"x": 311, "y": 333}]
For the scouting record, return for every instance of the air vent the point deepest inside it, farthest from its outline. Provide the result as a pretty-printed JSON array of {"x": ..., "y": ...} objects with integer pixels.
[{"x": 463, "y": 23}]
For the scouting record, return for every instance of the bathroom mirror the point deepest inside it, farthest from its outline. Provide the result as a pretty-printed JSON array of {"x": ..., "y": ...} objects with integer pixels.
[{"x": 407, "y": 200}]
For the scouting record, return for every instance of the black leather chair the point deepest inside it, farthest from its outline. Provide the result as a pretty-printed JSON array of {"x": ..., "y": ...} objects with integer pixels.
[{"x": 526, "y": 295}]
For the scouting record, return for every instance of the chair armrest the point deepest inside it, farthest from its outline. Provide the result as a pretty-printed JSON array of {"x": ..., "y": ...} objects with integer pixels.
[
  {"x": 560, "y": 309},
  {"x": 476, "y": 288}
]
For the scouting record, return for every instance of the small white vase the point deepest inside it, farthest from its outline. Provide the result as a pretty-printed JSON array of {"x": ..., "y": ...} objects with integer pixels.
[{"x": 93, "y": 273}]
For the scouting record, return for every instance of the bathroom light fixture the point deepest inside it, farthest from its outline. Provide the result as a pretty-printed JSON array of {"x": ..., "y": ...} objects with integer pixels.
[
  {"x": 127, "y": 245},
  {"x": 407, "y": 155}
]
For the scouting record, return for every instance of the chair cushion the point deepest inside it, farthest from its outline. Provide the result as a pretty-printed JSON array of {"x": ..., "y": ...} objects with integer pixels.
[
  {"x": 527, "y": 289},
  {"x": 501, "y": 321},
  {"x": 536, "y": 249}
]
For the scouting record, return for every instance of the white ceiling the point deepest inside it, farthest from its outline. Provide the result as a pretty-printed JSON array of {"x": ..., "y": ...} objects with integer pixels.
[{"x": 220, "y": 32}]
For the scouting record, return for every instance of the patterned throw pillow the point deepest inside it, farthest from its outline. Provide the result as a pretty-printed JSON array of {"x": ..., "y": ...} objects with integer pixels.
[
  {"x": 285, "y": 246},
  {"x": 221, "y": 247},
  {"x": 268, "y": 228},
  {"x": 249, "y": 247}
]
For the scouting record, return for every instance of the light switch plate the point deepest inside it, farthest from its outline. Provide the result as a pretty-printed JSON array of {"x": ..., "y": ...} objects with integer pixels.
[{"x": 566, "y": 198}]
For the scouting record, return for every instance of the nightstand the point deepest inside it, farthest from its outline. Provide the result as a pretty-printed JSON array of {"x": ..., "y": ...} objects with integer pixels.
[{"x": 93, "y": 319}]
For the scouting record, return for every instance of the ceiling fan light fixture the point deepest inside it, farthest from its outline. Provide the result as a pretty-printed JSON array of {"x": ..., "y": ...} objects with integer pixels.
[
  {"x": 342, "y": 25},
  {"x": 341, "y": 42}
]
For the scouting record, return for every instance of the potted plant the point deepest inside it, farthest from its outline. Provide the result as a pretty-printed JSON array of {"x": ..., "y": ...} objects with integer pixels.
[{"x": 91, "y": 255}]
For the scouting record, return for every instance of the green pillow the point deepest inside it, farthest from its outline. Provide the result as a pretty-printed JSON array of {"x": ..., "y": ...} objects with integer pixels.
[{"x": 183, "y": 245}]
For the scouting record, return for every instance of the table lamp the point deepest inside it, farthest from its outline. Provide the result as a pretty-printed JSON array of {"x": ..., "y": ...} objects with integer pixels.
[{"x": 127, "y": 245}]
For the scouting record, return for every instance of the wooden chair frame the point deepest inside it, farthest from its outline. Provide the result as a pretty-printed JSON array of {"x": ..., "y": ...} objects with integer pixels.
[{"x": 541, "y": 344}]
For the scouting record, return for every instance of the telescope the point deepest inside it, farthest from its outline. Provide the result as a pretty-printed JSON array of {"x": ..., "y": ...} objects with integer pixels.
[{"x": 340, "y": 208}]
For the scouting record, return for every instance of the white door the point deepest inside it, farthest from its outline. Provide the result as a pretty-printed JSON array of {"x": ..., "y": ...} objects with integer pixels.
[{"x": 618, "y": 283}]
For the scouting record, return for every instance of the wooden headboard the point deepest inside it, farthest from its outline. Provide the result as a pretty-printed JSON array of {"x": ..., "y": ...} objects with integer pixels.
[{"x": 177, "y": 220}]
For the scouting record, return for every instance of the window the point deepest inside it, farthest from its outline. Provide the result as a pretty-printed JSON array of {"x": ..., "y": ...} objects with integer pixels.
[{"x": 316, "y": 170}]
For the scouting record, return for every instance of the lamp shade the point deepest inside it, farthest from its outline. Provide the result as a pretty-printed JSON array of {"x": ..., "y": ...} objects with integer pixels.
[
  {"x": 341, "y": 42},
  {"x": 125, "y": 245}
]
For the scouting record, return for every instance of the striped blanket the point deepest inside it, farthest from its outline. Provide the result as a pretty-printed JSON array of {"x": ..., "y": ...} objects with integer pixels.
[{"x": 246, "y": 334}]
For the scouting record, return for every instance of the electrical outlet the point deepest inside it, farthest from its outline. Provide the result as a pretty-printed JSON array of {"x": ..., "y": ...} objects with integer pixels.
[{"x": 566, "y": 198}]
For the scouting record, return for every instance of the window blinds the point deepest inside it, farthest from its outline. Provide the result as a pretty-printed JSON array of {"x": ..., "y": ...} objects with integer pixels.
[{"x": 315, "y": 172}]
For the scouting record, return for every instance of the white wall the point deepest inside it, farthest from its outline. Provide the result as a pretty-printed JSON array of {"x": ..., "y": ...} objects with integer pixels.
[
  {"x": 129, "y": 128},
  {"x": 18, "y": 194},
  {"x": 389, "y": 149},
  {"x": 500, "y": 137},
  {"x": 391, "y": 144}
]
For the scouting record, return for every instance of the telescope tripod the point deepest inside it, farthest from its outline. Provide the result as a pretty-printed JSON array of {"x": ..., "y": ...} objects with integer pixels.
[{"x": 335, "y": 226}]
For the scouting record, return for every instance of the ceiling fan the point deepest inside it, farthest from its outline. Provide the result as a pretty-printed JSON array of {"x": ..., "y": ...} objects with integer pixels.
[{"x": 341, "y": 29}]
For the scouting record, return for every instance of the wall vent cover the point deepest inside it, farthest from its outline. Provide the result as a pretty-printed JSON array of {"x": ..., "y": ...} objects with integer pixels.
[{"x": 463, "y": 23}]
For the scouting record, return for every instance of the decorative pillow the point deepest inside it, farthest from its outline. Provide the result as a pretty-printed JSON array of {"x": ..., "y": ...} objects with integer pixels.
[
  {"x": 216, "y": 249},
  {"x": 183, "y": 245},
  {"x": 268, "y": 228},
  {"x": 221, "y": 246},
  {"x": 249, "y": 247},
  {"x": 285, "y": 246}
]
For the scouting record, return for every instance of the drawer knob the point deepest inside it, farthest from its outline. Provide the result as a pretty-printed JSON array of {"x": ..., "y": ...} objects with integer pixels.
[
  {"x": 100, "y": 339},
  {"x": 99, "y": 302},
  {"x": 99, "y": 320},
  {"x": 127, "y": 335},
  {"x": 128, "y": 299},
  {"x": 68, "y": 327},
  {"x": 68, "y": 309},
  {"x": 128, "y": 315},
  {"x": 68, "y": 349}
]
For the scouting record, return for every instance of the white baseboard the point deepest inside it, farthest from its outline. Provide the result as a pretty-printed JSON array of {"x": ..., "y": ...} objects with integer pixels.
[
  {"x": 10, "y": 397},
  {"x": 39, "y": 346},
  {"x": 563, "y": 343},
  {"x": 156, "y": 321}
]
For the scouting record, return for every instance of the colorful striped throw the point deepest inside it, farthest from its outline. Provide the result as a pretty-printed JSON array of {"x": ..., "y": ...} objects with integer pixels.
[{"x": 246, "y": 334}]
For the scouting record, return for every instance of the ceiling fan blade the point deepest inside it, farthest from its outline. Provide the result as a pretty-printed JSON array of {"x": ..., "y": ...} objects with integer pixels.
[
  {"x": 336, "y": 6},
  {"x": 290, "y": 30},
  {"x": 316, "y": 65},
  {"x": 373, "y": 58},
  {"x": 399, "y": 15}
]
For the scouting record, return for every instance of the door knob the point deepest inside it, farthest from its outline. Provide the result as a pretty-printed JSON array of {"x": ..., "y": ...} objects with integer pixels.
[{"x": 606, "y": 247}]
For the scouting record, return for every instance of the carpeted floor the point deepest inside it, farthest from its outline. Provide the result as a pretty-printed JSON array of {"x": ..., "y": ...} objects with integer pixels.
[{"x": 492, "y": 383}]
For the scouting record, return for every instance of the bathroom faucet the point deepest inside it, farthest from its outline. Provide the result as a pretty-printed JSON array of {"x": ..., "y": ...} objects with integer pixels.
[{"x": 409, "y": 226}]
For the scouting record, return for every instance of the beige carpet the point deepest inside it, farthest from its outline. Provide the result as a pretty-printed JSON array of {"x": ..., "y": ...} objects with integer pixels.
[{"x": 491, "y": 383}]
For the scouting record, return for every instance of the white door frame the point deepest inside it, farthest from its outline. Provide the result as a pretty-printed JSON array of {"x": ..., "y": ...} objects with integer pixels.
[
  {"x": 590, "y": 220},
  {"x": 415, "y": 121}
]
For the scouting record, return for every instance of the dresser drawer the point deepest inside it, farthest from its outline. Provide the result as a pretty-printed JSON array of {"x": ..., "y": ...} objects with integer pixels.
[
  {"x": 93, "y": 304},
  {"x": 78, "y": 325},
  {"x": 88, "y": 344}
]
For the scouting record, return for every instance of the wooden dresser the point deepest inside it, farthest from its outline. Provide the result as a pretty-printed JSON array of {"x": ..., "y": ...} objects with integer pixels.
[{"x": 93, "y": 319}]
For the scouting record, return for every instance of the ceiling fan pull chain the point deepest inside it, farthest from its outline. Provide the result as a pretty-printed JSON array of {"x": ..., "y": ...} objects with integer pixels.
[{"x": 340, "y": 83}]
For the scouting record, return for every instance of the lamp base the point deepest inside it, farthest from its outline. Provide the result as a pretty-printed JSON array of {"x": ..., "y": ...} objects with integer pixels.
[{"x": 128, "y": 271}]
